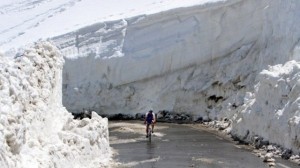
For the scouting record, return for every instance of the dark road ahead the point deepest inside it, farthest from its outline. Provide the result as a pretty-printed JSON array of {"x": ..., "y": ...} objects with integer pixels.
[{"x": 175, "y": 146}]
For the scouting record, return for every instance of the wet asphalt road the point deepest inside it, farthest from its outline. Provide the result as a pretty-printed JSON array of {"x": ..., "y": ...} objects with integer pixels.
[{"x": 179, "y": 146}]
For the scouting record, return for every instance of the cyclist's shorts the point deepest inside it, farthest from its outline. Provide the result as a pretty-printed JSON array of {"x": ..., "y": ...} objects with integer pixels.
[{"x": 149, "y": 122}]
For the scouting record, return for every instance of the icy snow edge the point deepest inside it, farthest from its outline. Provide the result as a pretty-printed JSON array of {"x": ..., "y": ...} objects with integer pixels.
[{"x": 35, "y": 129}]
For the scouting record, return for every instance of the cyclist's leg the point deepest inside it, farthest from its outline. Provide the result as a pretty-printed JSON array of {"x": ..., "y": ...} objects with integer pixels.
[
  {"x": 152, "y": 124},
  {"x": 147, "y": 127}
]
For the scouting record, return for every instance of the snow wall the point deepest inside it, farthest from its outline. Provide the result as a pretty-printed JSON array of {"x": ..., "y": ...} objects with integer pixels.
[
  {"x": 202, "y": 60},
  {"x": 35, "y": 129}
]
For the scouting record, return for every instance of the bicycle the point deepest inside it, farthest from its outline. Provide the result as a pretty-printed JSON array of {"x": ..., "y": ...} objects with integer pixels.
[{"x": 149, "y": 132}]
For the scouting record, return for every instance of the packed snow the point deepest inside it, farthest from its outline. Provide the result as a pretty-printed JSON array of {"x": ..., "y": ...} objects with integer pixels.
[
  {"x": 35, "y": 129},
  {"x": 27, "y": 21},
  {"x": 274, "y": 105},
  {"x": 212, "y": 59},
  {"x": 203, "y": 60}
]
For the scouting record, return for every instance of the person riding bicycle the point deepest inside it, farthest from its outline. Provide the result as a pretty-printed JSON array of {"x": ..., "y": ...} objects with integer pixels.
[{"x": 149, "y": 119}]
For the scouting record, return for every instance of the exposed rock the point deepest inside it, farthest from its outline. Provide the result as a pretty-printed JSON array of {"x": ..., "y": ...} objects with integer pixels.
[
  {"x": 85, "y": 114},
  {"x": 167, "y": 116},
  {"x": 121, "y": 117},
  {"x": 139, "y": 116},
  {"x": 199, "y": 120},
  {"x": 287, "y": 154},
  {"x": 259, "y": 142}
]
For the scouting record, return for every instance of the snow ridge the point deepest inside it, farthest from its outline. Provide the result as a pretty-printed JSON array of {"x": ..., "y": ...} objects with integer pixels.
[{"x": 35, "y": 129}]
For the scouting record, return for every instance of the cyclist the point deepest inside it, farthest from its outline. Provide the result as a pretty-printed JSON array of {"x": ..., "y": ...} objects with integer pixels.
[{"x": 149, "y": 119}]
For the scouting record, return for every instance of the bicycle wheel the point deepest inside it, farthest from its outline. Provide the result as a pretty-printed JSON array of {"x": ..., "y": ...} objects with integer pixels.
[{"x": 149, "y": 134}]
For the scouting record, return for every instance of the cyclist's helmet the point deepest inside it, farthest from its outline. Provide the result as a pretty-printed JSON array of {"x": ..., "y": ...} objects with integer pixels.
[{"x": 151, "y": 111}]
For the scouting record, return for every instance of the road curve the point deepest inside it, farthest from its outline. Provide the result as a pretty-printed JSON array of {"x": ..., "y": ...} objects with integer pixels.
[{"x": 175, "y": 145}]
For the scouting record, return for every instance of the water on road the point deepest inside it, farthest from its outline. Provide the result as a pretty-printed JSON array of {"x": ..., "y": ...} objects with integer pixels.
[{"x": 174, "y": 145}]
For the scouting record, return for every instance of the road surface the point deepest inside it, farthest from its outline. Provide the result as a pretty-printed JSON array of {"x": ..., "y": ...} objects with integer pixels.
[{"x": 175, "y": 145}]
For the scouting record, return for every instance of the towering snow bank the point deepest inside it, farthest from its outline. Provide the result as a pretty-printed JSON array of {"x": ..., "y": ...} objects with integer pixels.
[
  {"x": 201, "y": 60},
  {"x": 272, "y": 111},
  {"x": 35, "y": 129},
  {"x": 186, "y": 60},
  {"x": 121, "y": 56}
]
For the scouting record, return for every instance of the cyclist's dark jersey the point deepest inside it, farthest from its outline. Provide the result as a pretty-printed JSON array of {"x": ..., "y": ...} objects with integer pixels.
[{"x": 149, "y": 117}]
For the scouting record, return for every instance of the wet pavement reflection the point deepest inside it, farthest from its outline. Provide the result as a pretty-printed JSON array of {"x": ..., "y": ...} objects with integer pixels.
[{"x": 174, "y": 145}]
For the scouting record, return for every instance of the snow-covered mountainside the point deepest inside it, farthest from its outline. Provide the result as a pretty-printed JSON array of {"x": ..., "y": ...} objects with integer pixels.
[
  {"x": 35, "y": 129},
  {"x": 26, "y": 21}
]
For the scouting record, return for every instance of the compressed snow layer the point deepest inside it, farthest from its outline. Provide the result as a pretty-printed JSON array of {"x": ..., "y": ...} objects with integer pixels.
[
  {"x": 141, "y": 48},
  {"x": 35, "y": 129},
  {"x": 24, "y": 21},
  {"x": 201, "y": 60},
  {"x": 272, "y": 111},
  {"x": 180, "y": 60}
]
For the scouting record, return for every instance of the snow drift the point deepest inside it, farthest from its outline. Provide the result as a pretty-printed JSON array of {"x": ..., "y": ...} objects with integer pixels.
[
  {"x": 202, "y": 60},
  {"x": 35, "y": 129},
  {"x": 275, "y": 107}
]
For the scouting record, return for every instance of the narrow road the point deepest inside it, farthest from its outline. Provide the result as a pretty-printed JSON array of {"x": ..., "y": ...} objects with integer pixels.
[{"x": 177, "y": 146}]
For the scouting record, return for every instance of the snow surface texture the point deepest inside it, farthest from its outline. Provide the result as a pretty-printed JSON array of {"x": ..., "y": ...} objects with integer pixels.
[
  {"x": 275, "y": 107},
  {"x": 35, "y": 129},
  {"x": 133, "y": 56},
  {"x": 186, "y": 59},
  {"x": 29, "y": 20},
  {"x": 201, "y": 60}
]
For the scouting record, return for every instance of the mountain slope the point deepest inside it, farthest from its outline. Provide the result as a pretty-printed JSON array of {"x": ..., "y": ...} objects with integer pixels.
[{"x": 26, "y": 21}]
